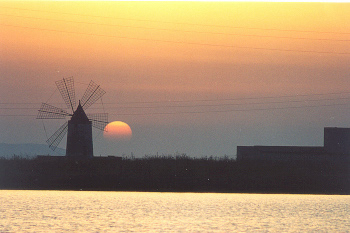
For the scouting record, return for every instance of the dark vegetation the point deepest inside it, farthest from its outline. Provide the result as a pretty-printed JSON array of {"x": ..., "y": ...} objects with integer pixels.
[{"x": 176, "y": 173}]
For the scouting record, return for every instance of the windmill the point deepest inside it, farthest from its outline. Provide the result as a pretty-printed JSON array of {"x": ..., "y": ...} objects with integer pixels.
[{"x": 79, "y": 127}]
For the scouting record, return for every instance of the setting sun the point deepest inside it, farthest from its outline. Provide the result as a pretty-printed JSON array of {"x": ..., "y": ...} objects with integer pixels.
[{"x": 117, "y": 131}]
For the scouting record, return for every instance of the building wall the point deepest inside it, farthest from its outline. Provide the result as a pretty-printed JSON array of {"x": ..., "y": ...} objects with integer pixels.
[
  {"x": 336, "y": 146},
  {"x": 247, "y": 152},
  {"x": 79, "y": 140},
  {"x": 337, "y": 140},
  {"x": 281, "y": 153}
]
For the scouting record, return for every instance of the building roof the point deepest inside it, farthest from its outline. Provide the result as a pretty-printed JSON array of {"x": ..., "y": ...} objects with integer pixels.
[{"x": 79, "y": 116}]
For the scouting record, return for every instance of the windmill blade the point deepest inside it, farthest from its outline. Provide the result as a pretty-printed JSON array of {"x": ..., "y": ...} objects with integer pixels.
[
  {"x": 66, "y": 88},
  {"x": 47, "y": 111},
  {"x": 99, "y": 120},
  {"x": 57, "y": 137},
  {"x": 91, "y": 95}
]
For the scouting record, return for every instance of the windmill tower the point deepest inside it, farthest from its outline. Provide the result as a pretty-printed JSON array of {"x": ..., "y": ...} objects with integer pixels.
[{"x": 79, "y": 127}]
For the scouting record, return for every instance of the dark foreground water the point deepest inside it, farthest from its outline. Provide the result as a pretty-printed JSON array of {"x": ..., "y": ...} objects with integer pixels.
[{"x": 86, "y": 211}]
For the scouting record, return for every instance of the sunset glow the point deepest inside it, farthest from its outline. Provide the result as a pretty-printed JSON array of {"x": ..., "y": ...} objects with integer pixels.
[
  {"x": 166, "y": 33},
  {"x": 197, "y": 77},
  {"x": 117, "y": 131}
]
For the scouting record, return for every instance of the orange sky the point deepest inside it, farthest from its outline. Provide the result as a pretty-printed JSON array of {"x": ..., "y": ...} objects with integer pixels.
[
  {"x": 175, "y": 51},
  {"x": 109, "y": 34},
  {"x": 78, "y": 26}
]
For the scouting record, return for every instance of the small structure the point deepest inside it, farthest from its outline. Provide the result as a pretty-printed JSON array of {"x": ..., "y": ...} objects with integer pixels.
[
  {"x": 79, "y": 138},
  {"x": 79, "y": 127},
  {"x": 336, "y": 145}
]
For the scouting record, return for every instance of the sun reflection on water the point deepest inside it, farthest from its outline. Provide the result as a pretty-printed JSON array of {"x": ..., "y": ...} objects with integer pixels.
[{"x": 67, "y": 211}]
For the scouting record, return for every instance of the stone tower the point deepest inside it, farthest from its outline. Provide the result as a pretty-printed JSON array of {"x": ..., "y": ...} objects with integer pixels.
[{"x": 79, "y": 138}]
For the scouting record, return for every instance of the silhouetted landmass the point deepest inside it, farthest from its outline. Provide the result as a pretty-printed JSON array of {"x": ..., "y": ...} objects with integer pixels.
[
  {"x": 178, "y": 173},
  {"x": 30, "y": 150}
]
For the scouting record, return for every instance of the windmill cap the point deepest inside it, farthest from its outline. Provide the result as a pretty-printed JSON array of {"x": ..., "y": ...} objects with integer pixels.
[{"x": 79, "y": 116}]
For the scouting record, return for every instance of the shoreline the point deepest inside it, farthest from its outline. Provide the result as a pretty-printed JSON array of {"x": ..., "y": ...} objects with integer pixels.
[{"x": 182, "y": 174}]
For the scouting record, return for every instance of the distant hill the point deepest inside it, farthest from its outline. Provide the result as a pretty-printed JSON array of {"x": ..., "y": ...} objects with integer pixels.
[{"x": 28, "y": 149}]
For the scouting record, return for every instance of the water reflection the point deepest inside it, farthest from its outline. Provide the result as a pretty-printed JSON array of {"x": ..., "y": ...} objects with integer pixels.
[{"x": 66, "y": 211}]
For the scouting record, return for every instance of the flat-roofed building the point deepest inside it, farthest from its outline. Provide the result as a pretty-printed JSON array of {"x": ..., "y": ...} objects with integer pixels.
[
  {"x": 337, "y": 140},
  {"x": 336, "y": 145}
]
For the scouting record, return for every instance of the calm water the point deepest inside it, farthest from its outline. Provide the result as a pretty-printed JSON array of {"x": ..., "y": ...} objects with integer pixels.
[{"x": 80, "y": 211}]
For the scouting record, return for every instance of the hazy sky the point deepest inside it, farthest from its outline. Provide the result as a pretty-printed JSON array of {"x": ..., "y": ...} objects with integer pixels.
[{"x": 188, "y": 77}]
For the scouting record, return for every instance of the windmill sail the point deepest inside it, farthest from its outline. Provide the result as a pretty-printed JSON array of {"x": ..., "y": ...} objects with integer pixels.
[
  {"x": 57, "y": 137},
  {"x": 99, "y": 120},
  {"x": 47, "y": 111},
  {"x": 66, "y": 88},
  {"x": 79, "y": 127},
  {"x": 93, "y": 93}
]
